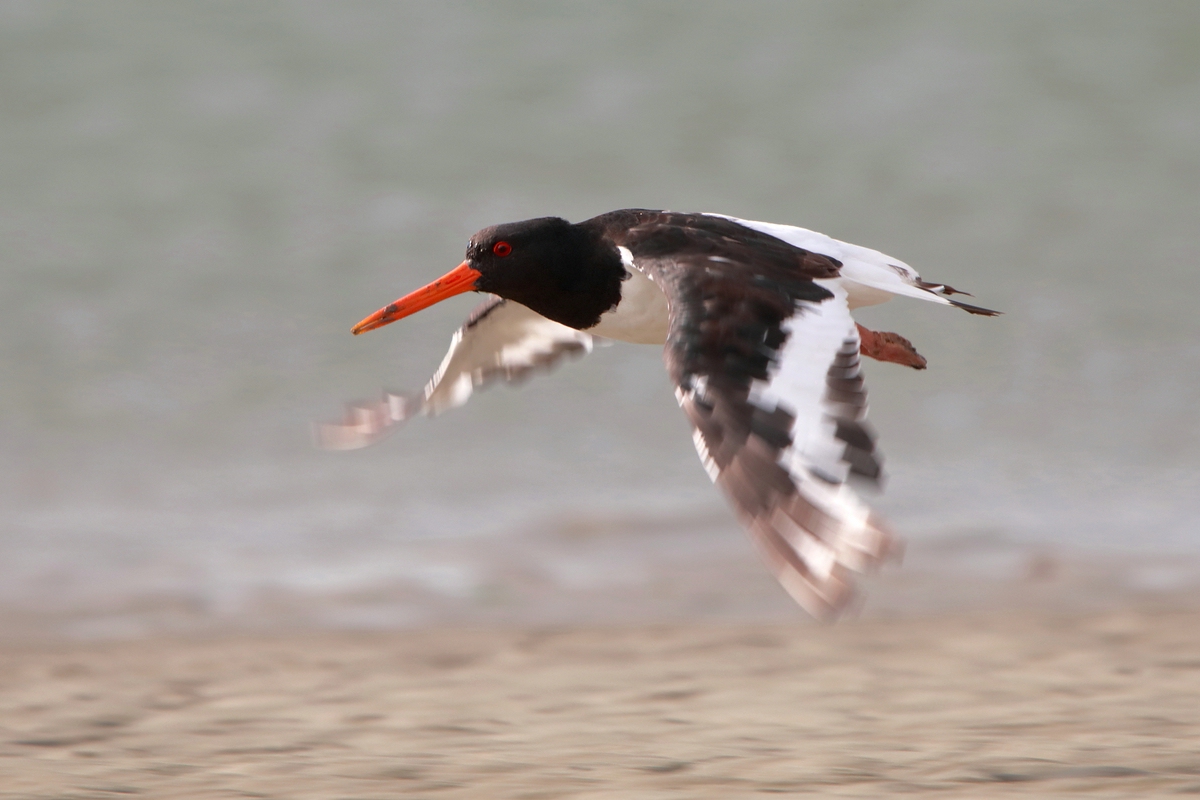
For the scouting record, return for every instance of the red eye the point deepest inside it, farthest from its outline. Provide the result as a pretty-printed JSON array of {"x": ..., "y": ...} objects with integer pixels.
[{"x": 502, "y": 249}]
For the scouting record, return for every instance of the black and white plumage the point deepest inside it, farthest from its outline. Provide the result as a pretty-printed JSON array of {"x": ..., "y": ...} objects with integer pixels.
[
  {"x": 500, "y": 341},
  {"x": 759, "y": 342}
]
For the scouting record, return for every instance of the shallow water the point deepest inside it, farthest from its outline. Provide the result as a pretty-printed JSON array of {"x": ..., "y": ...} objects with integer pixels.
[{"x": 197, "y": 201}]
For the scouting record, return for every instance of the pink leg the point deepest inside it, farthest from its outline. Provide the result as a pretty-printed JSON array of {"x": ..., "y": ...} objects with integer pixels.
[{"x": 888, "y": 346}]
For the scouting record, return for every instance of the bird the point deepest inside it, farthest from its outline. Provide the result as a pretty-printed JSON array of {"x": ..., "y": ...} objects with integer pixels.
[{"x": 758, "y": 339}]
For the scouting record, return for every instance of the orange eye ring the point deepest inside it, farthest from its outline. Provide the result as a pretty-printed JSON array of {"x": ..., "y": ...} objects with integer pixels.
[{"x": 502, "y": 249}]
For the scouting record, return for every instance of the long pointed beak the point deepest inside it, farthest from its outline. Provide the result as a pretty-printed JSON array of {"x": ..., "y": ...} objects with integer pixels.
[{"x": 458, "y": 280}]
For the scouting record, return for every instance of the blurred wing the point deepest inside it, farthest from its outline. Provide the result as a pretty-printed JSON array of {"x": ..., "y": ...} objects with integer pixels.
[
  {"x": 500, "y": 340},
  {"x": 765, "y": 363}
]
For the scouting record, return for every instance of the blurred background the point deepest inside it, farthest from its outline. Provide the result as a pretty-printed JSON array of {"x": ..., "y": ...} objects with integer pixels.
[{"x": 197, "y": 201}]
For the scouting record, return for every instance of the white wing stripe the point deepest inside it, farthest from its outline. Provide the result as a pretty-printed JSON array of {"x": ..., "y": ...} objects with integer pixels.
[{"x": 799, "y": 384}]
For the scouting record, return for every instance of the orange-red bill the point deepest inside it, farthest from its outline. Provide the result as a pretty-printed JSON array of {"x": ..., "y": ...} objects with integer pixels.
[{"x": 458, "y": 280}]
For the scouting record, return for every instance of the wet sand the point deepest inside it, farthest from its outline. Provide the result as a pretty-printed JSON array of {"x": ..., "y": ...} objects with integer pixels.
[{"x": 984, "y": 706}]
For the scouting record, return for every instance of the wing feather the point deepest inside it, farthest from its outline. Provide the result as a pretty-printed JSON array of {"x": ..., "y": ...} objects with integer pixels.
[
  {"x": 764, "y": 355},
  {"x": 870, "y": 276},
  {"x": 501, "y": 340}
]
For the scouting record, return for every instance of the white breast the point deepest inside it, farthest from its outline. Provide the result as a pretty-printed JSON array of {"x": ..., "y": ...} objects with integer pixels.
[{"x": 641, "y": 316}]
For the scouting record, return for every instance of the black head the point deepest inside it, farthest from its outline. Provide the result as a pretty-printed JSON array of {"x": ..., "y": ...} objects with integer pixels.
[{"x": 562, "y": 271}]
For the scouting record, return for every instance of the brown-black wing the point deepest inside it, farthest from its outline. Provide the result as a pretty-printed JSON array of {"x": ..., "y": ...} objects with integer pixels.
[{"x": 764, "y": 357}]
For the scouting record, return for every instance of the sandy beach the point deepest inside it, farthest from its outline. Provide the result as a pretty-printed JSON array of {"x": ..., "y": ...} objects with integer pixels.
[{"x": 975, "y": 706}]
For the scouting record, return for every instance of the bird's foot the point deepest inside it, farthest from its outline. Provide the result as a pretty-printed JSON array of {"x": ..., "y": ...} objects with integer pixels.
[{"x": 888, "y": 346}]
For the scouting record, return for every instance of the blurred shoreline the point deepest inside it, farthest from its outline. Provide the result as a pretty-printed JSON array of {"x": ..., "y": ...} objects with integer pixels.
[{"x": 606, "y": 572}]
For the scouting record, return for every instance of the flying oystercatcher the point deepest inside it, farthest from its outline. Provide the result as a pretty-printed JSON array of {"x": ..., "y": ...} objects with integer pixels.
[{"x": 759, "y": 342}]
